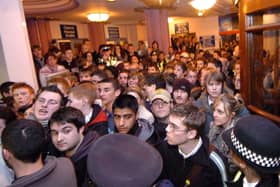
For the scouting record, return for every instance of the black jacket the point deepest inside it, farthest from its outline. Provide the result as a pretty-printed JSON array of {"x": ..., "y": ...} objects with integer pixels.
[
  {"x": 70, "y": 66},
  {"x": 196, "y": 171},
  {"x": 79, "y": 159},
  {"x": 98, "y": 121},
  {"x": 160, "y": 129}
]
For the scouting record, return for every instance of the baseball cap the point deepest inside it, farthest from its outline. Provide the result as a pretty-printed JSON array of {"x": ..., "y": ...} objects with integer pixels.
[{"x": 162, "y": 94}]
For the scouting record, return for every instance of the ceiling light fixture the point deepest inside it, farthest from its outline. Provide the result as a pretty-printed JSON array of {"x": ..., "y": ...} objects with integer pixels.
[
  {"x": 200, "y": 13},
  {"x": 170, "y": 20},
  {"x": 202, "y": 4},
  {"x": 98, "y": 17},
  {"x": 236, "y": 3}
]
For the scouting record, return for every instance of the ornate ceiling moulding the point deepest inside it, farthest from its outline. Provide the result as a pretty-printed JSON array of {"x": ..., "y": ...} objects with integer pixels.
[
  {"x": 159, "y": 3},
  {"x": 141, "y": 9},
  {"x": 48, "y": 6}
]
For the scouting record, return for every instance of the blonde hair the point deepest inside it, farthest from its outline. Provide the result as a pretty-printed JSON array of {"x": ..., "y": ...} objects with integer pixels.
[
  {"x": 230, "y": 103},
  {"x": 85, "y": 90},
  {"x": 139, "y": 76},
  {"x": 61, "y": 83}
]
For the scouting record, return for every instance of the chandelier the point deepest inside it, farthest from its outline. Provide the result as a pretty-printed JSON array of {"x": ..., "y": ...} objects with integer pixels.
[
  {"x": 203, "y": 4},
  {"x": 98, "y": 17}
]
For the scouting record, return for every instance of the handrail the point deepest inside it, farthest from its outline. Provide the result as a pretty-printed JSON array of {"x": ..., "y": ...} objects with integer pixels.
[{"x": 265, "y": 114}]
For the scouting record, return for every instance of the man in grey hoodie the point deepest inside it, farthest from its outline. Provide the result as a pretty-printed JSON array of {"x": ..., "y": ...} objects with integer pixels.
[
  {"x": 23, "y": 143},
  {"x": 67, "y": 133}
]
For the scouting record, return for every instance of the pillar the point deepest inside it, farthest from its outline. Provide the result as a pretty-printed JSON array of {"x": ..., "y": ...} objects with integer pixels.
[
  {"x": 157, "y": 27},
  {"x": 16, "y": 63}
]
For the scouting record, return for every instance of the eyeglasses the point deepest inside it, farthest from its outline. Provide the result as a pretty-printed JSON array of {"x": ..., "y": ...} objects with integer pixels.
[
  {"x": 159, "y": 103},
  {"x": 174, "y": 127},
  {"x": 47, "y": 102}
]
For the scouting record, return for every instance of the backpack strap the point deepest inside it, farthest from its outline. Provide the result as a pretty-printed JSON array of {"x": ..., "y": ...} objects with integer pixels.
[{"x": 219, "y": 163}]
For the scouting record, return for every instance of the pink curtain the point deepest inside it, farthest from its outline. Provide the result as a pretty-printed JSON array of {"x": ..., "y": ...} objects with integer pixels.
[
  {"x": 157, "y": 27},
  {"x": 39, "y": 33}
]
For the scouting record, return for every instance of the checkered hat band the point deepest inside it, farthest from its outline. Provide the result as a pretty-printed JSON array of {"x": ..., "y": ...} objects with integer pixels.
[{"x": 262, "y": 161}]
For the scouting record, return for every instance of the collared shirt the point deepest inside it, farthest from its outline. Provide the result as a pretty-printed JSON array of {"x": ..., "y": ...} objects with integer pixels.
[
  {"x": 88, "y": 117},
  {"x": 196, "y": 148},
  {"x": 249, "y": 184},
  {"x": 210, "y": 102}
]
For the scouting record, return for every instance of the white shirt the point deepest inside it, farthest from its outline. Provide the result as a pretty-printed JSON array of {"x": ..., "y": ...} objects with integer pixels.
[
  {"x": 87, "y": 117},
  {"x": 47, "y": 73},
  {"x": 248, "y": 184},
  {"x": 210, "y": 101},
  {"x": 196, "y": 148}
]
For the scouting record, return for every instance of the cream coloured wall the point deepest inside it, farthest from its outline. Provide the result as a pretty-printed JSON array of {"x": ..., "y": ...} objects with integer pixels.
[
  {"x": 133, "y": 32},
  {"x": 130, "y": 31},
  {"x": 142, "y": 32},
  {"x": 202, "y": 26}
]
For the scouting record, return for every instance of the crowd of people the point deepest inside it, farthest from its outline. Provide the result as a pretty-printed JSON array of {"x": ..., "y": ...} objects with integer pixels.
[{"x": 126, "y": 116}]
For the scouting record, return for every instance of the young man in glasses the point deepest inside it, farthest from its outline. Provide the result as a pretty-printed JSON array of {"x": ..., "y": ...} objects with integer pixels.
[
  {"x": 161, "y": 107},
  {"x": 48, "y": 100},
  {"x": 186, "y": 158}
]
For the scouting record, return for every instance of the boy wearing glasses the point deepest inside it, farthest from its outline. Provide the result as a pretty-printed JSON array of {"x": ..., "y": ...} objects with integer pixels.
[
  {"x": 161, "y": 107},
  {"x": 49, "y": 99},
  {"x": 186, "y": 157}
]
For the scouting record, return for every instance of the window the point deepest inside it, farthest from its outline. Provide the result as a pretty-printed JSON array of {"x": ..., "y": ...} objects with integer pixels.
[{"x": 263, "y": 39}]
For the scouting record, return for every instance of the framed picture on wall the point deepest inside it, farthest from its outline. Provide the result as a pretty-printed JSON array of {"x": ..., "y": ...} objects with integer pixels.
[
  {"x": 181, "y": 28},
  {"x": 68, "y": 31},
  {"x": 207, "y": 41}
]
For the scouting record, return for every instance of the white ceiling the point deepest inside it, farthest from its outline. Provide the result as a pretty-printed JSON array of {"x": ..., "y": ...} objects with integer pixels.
[{"x": 121, "y": 11}]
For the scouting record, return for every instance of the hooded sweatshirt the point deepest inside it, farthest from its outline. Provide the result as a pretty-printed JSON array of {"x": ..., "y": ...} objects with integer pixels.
[
  {"x": 56, "y": 172},
  {"x": 79, "y": 159}
]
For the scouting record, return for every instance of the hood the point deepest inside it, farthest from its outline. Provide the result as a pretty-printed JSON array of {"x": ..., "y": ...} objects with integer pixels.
[
  {"x": 145, "y": 130},
  {"x": 83, "y": 149},
  {"x": 49, "y": 166}
]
